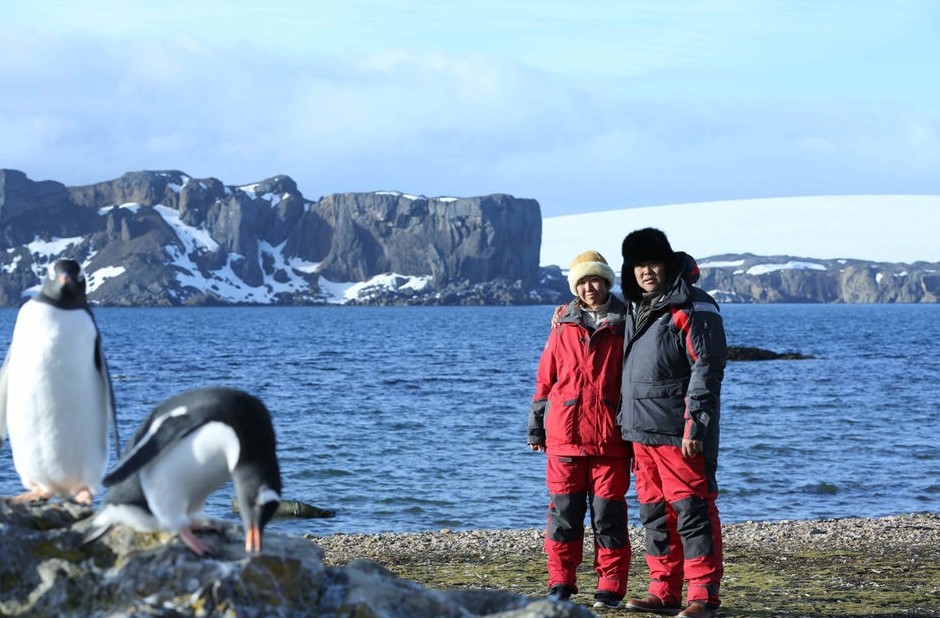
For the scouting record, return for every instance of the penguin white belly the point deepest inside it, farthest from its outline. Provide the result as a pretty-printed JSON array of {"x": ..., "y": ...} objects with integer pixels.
[
  {"x": 57, "y": 407},
  {"x": 177, "y": 483}
]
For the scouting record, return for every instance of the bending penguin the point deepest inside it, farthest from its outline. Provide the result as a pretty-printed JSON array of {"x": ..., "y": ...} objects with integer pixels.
[
  {"x": 55, "y": 392},
  {"x": 189, "y": 446}
]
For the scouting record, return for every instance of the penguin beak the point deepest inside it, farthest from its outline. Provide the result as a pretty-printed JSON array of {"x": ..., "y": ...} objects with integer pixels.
[
  {"x": 255, "y": 513},
  {"x": 253, "y": 539}
]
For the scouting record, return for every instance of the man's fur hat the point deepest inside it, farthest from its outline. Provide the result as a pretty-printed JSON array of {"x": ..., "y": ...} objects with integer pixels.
[{"x": 646, "y": 245}]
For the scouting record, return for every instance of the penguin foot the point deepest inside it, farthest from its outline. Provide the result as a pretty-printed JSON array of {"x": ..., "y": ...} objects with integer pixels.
[
  {"x": 191, "y": 541},
  {"x": 206, "y": 526},
  {"x": 34, "y": 495},
  {"x": 84, "y": 496}
]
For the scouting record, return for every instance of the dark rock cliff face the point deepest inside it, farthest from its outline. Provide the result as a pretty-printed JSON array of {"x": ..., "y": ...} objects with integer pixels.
[
  {"x": 164, "y": 238},
  {"x": 475, "y": 239},
  {"x": 785, "y": 279},
  {"x": 29, "y": 209}
]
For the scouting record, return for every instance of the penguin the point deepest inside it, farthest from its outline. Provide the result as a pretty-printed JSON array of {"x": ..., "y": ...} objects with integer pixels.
[
  {"x": 189, "y": 446},
  {"x": 56, "y": 398}
]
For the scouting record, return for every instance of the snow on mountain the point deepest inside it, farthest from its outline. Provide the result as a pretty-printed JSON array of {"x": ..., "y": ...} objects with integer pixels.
[
  {"x": 881, "y": 228},
  {"x": 223, "y": 283}
]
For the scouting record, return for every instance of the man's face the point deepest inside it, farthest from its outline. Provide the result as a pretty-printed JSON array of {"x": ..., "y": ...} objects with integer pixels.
[
  {"x": 650, "y": 276},
  {"x": 592, "y": 290}
]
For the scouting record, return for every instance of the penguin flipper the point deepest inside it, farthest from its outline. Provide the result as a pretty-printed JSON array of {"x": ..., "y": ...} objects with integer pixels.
[
  {"x": 102, "y": 365},
  {"x": 162, "y": 433}
]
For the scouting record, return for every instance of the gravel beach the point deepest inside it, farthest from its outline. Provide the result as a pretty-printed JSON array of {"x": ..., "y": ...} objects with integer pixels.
[
  {"x": 899, "y": 533},
  {"x": 886, "y": 567}
]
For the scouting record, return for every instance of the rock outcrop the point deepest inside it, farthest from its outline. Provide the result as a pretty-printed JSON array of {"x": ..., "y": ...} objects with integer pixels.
[
  {"x": 475, "y": 239},
  {"x": 785, "y": 279},
  {"x": 746, "y": 353},
  {"x": 164, "y": 238},
  {"x": 47, "y": 571}
]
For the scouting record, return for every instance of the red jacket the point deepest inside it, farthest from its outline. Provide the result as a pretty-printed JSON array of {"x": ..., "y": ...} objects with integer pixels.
[{"x": 577, "y": 387}]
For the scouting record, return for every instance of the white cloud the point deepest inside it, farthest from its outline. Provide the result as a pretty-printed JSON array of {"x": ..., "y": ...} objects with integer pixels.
[{"x": 583, "y": 108}]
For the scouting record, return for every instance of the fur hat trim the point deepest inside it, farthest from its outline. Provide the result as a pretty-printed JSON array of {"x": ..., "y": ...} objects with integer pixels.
[
  {"x": 587, "y": 264},
  {"x": 646, "y": 245}
]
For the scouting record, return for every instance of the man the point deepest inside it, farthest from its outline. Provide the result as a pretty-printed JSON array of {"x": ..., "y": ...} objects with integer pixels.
[
  {"x": 573, "y": 420},
  {"x": 674, "y": 359}
]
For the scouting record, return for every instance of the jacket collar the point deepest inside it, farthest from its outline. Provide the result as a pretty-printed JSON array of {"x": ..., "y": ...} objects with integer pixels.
[{"x": 616, "y": 311}]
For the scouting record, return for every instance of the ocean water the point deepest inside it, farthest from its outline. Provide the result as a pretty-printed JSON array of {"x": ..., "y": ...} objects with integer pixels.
[{"x": 414, "y": 418}]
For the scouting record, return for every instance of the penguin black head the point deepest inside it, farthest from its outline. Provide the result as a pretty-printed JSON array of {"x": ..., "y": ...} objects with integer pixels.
[
  {"x": 64, "y": 285},
  {"x": 259, "y": 492},
  {"x": 257, "y": 475}
]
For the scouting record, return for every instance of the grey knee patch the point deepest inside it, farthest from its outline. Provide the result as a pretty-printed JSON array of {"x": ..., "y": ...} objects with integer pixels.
[
  {"x": 694, "y": 526},
  {"x": 610, "y": 522},
  {"x": 653, "y": 516},
  {"x": 566, "y": 517}
]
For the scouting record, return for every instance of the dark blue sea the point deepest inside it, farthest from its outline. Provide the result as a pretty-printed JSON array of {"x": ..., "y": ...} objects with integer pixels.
[{"x": 414, "y": 419}]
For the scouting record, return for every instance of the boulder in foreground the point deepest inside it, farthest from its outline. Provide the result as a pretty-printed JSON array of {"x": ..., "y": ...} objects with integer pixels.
[{"x": 45, "y": 570}]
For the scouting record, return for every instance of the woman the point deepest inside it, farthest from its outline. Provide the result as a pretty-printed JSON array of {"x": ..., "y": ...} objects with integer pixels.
[{"x": 573, "y": 420}]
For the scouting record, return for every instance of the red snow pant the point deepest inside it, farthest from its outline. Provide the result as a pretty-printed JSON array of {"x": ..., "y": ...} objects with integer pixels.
[
  {"x": 573, "y": 484},
  {"x": 683, "y": 532}
]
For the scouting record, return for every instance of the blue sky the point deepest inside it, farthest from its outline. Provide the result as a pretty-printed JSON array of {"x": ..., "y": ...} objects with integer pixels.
[{"x": 583, "y": 106}]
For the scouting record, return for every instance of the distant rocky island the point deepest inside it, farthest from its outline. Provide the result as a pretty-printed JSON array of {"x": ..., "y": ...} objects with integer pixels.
[
  {"x": 163, "y": 238},
  {"x": 785, "y": 279}
]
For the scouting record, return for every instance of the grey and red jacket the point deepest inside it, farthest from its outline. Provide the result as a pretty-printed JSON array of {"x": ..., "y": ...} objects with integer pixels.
[
  {"x": 674, "y": 361},
  {"x": 577, "y": 386}
]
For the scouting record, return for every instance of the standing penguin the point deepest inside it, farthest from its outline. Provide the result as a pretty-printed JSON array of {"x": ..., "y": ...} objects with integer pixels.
[
  {"x": 55, "y": 392},
  {"x": 188, "y": 447}
]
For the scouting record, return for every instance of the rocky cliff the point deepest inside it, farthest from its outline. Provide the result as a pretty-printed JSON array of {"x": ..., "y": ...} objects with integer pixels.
[
  {"x": 164, "y": 238},
  {"x": 167, "y": 239},
  {"x": 47, "y": 571},
  {"x": 785, "y": 279}
]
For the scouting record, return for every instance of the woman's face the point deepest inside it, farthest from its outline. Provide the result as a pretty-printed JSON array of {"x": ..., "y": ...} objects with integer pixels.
[
  {"x": 650, "y": 276},
  {"x": 592, "y": 290}
]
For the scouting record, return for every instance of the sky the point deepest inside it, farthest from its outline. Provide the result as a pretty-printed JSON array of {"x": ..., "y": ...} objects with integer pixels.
[{"x": 583, "y": 106}]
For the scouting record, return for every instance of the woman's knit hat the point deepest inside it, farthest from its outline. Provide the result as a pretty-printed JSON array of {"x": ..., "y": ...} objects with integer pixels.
[{"x": 587, "y": 264}]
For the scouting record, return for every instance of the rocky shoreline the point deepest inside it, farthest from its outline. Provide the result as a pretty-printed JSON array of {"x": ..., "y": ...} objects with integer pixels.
[{"x": 886, "y": 567}]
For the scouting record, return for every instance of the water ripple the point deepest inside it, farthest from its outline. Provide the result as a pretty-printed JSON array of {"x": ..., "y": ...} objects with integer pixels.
[{"x": 400, "y": 421}]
